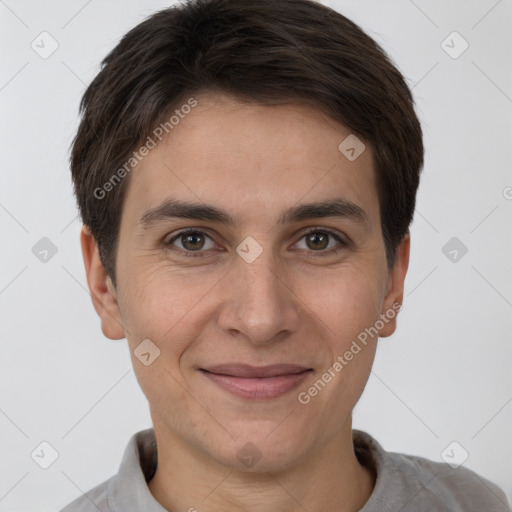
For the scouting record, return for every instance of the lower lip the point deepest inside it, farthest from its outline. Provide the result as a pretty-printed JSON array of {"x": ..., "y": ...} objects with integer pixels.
[{"x": 258, "y": 388}]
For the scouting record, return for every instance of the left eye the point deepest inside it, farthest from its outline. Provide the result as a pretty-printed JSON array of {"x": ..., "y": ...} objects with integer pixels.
[{"x": 319, "y": 240}]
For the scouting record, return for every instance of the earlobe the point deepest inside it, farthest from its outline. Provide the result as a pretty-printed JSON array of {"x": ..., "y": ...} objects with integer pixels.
[
  {"x": 103, "y": 293},
  {"x": 394, "y": 297}
]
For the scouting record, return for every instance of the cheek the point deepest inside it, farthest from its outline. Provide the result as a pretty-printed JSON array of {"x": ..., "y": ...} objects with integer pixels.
[
  {"x": 159, "y": 304},
  {"x": 344, "y": 301},
  {"x": 165, "y": 307}
]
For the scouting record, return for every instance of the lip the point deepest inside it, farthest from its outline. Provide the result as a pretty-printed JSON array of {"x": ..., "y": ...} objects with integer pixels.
[
  {"x": 248, "y": 371},
  {"x": 253, "y": 382}
]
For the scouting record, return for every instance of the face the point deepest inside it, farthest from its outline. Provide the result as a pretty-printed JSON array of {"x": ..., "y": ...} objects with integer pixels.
[{"x": 251, "y": 256}]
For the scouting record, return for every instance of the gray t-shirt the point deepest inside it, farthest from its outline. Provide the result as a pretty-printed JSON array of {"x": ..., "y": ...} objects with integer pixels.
[{"x": 405, "y": 483}]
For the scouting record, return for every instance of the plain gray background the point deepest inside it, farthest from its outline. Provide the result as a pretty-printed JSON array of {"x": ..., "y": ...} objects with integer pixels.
[{"x": 443, "y": 377}]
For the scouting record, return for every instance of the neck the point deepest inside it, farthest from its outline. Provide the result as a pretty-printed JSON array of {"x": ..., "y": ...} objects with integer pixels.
[{"x": 330, "y": 480}]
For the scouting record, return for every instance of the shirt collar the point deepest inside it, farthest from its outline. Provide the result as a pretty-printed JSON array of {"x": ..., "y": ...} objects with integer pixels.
[{"x": 128, "y": 491}]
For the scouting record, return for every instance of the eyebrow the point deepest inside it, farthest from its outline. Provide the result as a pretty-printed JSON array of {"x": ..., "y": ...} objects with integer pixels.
[{"x": 172, "y": 208}]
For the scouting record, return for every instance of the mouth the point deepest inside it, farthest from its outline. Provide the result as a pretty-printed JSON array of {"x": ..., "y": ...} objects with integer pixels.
[{"x": 253, "y": 382}]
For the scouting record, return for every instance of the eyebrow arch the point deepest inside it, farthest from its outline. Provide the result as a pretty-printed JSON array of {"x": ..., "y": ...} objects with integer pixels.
[{"x": 172, "y": 208}]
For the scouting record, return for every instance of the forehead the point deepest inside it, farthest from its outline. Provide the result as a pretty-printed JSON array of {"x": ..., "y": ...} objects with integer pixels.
[{"x": 252, "y": 160}]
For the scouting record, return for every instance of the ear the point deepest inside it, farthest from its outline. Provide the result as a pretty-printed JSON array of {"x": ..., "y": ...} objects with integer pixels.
[
  {"x": 395, "y": 291},
  {"x": 103, "y": 293}
]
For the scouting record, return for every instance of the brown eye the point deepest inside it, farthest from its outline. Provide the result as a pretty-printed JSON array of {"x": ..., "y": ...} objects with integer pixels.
[
  {"x": 191, "y": 241},
  {"x": 322, "y": 241},
  {"x": 317, "y": 240}
]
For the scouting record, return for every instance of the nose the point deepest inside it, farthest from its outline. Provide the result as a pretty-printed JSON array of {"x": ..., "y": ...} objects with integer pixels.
[{"x": 259, "y": 302}]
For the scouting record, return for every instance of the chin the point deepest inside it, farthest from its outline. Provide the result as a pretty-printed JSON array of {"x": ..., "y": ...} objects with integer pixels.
[{"x": 256, "y": 451}]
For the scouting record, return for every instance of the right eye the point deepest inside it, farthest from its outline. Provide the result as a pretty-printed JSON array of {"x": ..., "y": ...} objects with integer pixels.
[{"x": 190, "y": 241}]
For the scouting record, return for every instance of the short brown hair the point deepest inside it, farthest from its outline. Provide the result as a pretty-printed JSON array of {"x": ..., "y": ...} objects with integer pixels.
[{"x": 263, "y": 51}]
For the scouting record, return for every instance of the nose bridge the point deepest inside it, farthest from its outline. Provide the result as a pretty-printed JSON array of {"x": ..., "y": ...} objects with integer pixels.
[
  {"x": 262, "y": 284},
  {"x": 260, "y": 304}
]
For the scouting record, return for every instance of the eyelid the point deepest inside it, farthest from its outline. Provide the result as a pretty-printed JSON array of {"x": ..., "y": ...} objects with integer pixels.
[{"x": 323, "y": 229}]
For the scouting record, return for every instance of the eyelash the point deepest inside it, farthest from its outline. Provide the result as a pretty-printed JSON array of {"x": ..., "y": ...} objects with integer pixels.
[{"x": 321, "y": 253}]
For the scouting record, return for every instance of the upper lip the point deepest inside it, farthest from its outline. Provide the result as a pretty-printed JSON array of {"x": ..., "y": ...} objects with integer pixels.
[{"x": 247, "y": 371}]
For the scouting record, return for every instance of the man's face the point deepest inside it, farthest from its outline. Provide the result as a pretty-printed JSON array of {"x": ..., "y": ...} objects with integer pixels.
[{"x": 219, "y": 314}]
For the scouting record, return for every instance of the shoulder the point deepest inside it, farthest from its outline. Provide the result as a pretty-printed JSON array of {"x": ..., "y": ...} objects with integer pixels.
[
  {"x": 126, "y": 491},
  {"x": 413, "y": 483},
  {"x": 457, "y": 489},
  {"x": 92, "y": 501}
]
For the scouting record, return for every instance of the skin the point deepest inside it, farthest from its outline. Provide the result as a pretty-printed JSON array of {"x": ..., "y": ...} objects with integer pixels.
[{"x": 290, "y": 305}]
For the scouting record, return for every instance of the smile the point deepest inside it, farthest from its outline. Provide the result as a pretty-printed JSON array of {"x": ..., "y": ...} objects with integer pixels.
[{"x": 255, "y": 383}]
